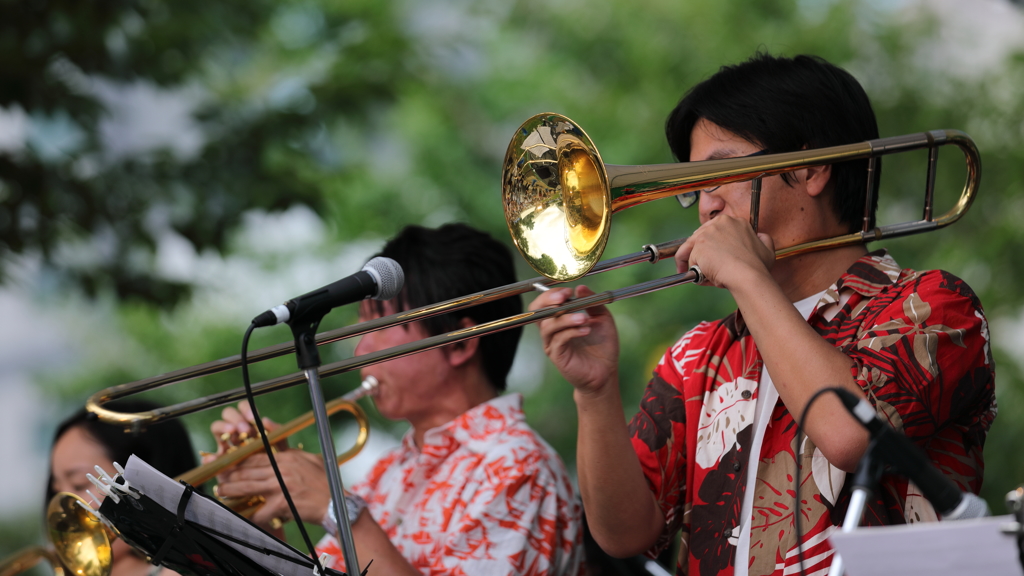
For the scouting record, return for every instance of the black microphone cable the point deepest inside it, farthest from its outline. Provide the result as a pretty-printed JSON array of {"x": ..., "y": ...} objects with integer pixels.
[
  {"x": 270, "y": 452},
  {"x": 796, "y": 480}
]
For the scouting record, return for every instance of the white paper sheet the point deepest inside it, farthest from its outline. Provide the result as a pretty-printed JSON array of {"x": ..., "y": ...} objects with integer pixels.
[
  {"x": 931, "y": 548},
  {"x": 166, "y": 492}
]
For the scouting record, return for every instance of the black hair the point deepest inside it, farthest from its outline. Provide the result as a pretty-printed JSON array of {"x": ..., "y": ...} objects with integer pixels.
[
  {"x": 451, "y": 261},
  {"x": 165, "y": 446},
  {"x": 786, "y": 104}
]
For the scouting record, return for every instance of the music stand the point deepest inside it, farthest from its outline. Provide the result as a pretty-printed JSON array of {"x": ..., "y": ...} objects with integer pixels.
[{"x": 191, "y": 533}]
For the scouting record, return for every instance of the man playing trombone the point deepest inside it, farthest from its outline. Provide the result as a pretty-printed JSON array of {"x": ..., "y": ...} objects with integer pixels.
[
  {"x": 471, "y": 489},
  {"x": 713, "y": 450}
]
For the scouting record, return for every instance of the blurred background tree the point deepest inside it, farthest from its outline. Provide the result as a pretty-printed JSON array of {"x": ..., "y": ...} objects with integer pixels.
[
  {"x": 235, "y": 96},
  {"x": 170, "y": 169}
]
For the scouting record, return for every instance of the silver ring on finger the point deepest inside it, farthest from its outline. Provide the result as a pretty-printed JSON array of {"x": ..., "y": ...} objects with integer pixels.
[{"x": 700, "y": 278}]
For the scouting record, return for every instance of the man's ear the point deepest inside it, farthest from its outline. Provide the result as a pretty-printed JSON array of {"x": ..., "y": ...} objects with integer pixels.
[
  {"x": 817, "y": 179},
  {"x": 460, "y": 353}
]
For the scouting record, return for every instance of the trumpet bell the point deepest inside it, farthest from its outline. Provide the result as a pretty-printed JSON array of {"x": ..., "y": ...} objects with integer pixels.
[
  {"x": 555, "y": 196},
  {"x": 80, "y": 539}
]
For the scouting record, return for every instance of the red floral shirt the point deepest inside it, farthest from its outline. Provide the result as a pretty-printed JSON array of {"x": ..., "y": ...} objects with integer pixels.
[
  {"x": 485, "y": 495},
  {"x": 918, "y": 345}
]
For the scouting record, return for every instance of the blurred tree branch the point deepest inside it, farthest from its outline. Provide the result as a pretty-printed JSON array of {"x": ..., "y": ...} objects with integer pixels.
[{"x": 62, "y": 185}]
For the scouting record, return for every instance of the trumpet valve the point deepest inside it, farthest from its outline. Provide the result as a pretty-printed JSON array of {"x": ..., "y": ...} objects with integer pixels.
[{"x": 244, "y": 506}]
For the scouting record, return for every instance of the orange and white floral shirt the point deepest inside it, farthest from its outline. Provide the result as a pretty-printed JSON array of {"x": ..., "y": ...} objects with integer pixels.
[{"x": 485, "y": 495}]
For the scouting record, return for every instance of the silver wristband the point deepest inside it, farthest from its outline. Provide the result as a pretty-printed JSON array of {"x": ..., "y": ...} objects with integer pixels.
[{"x": 354, "y": 505}]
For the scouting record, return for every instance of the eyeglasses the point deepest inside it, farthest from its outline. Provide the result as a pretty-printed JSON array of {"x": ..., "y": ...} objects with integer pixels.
[{"x": 688, "y": 199}]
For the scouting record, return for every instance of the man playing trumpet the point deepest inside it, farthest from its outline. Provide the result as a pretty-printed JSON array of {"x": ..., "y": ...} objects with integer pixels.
[
  {"x": 471, "y": 489},
  {"x": 713, "y": 450}
]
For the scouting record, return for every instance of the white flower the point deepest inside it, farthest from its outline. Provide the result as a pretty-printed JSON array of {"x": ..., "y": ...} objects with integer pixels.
[{"x": 829, "y": 479}]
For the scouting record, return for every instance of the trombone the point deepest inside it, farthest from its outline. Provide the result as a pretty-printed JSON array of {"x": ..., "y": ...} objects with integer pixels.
[
  {"x": 558, "y": 196},
  {"x": 25, "y": 559}
]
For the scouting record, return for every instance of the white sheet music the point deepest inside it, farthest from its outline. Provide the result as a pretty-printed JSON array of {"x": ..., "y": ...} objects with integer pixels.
[
  {"x": 931, "y": 548},
  {"x": 166, "y": 492}
]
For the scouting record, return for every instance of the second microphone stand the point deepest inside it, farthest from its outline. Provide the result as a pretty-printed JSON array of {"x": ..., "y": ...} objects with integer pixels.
[{"x": 869, "y": 472}]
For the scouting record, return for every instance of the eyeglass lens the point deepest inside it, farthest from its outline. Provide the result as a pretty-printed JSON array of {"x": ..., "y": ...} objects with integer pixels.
[{"x": 688, "y": 199}]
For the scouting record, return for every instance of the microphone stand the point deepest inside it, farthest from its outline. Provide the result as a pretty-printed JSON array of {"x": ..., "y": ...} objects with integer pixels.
[
  {"x": 869, "y": 472},
  {"x": 1015, "y": 504},
  {"x": 308, "y": 358}
]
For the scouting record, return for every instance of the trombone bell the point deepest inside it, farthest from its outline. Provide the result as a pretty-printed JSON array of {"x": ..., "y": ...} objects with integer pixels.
[
  {"x": 555, "y": 198},
  {"x": 80, "y": 539}
]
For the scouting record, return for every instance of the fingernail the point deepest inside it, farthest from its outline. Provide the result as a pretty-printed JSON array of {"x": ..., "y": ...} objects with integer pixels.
[
  {"x": 579, "y": 318},
  {"x": 584, "y": 329}
]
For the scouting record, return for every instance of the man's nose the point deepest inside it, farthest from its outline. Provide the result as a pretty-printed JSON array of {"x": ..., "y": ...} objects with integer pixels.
[
  {"x": 368, "y": 343},
  {"x": 711, "y": 204}
]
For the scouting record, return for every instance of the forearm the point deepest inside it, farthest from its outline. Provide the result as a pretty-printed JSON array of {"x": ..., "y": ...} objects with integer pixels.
[
  {"x": 372, "y": 544},
  {"x": 621, "y": 511},
  {"x": 801, "y": 362}
]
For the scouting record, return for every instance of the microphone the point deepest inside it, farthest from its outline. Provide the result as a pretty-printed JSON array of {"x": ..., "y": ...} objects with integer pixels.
[
  {"x": 909, "y": 460},
  {"x": 380, "y": 279}
]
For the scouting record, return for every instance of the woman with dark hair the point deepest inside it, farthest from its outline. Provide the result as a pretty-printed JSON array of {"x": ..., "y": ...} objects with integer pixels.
[{"x": 82, "y": 442}]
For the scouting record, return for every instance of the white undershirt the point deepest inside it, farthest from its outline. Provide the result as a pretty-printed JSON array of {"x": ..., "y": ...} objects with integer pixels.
[{"x": 767, "y": 398}]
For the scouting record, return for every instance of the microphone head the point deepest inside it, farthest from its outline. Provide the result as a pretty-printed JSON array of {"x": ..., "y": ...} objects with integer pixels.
[
  {"x": 388, "y": 275},
  {"x": 971, "y": 506}
]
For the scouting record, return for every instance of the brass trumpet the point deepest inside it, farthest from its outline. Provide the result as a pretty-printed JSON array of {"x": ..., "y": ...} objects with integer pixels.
[{"x": 83, "y": 542}]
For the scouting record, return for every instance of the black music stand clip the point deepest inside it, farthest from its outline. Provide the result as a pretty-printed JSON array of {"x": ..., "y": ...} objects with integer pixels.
[{"x": 168, "y": 539}]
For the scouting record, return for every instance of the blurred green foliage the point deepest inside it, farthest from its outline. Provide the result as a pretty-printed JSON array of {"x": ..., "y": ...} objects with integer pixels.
[
  {"x": 381, "y": 114},
  {"x": 266, "y": 78}
]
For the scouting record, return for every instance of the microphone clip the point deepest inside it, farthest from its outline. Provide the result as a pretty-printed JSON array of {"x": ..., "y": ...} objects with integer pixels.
[{"x": 307, "y": 355}]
